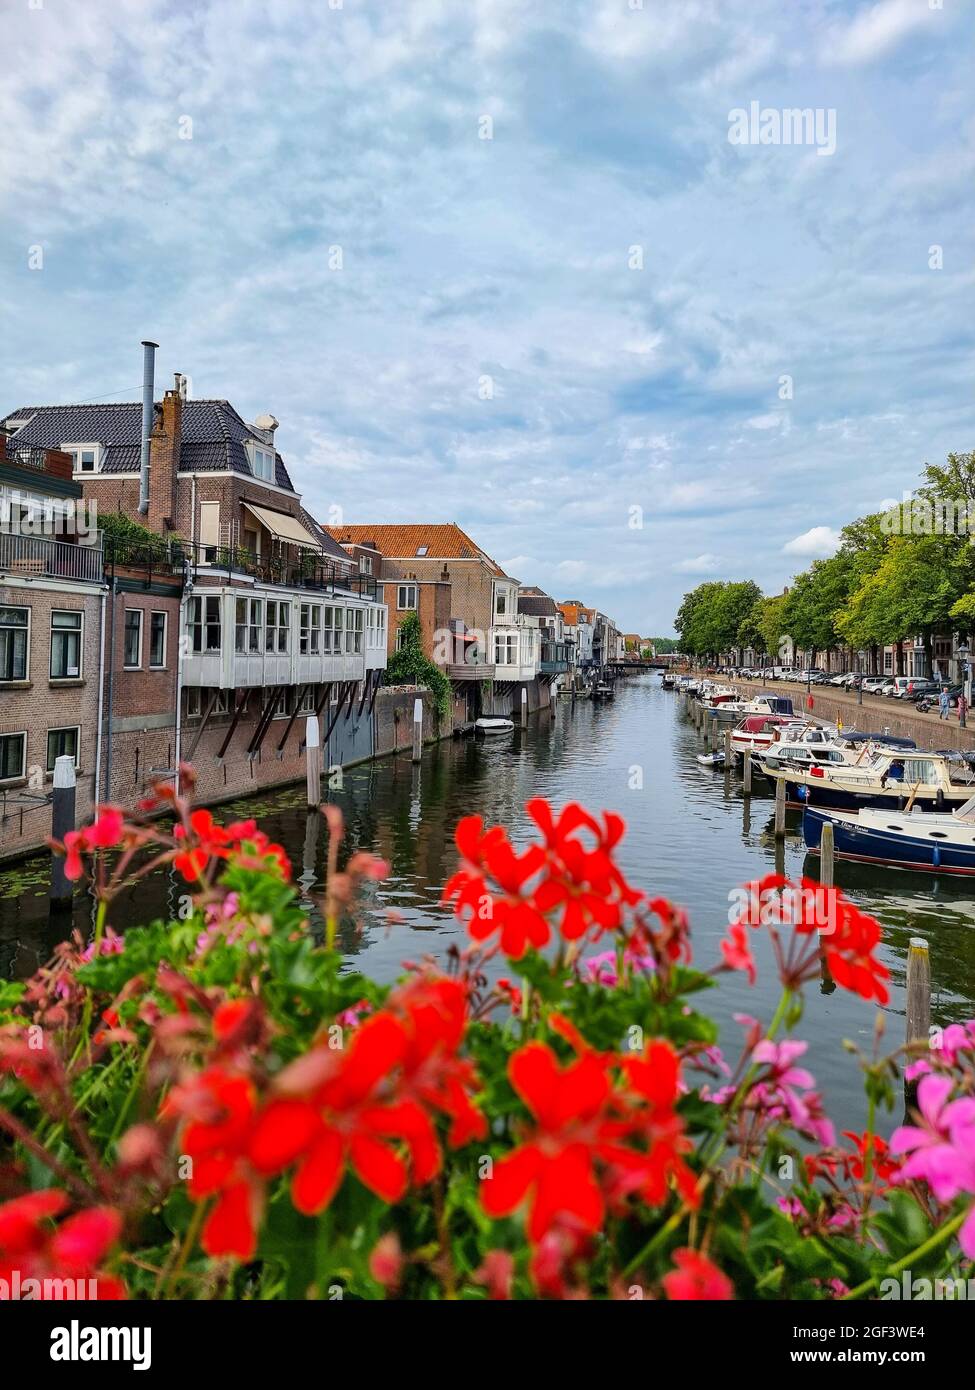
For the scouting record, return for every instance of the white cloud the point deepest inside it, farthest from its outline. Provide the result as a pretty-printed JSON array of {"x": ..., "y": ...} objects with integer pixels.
[
  {"x": 818, "y": 541},
  {"x": 699, "y": 564},
  {"x": 878, "y": 29}
]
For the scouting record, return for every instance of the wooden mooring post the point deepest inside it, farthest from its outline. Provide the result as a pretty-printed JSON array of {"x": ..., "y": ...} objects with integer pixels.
[
  {"x": 61, "y": 892},
  {"x": 727, "y": 747},
  {"x": 313, "y": 762},
  {"x": 746, "y": 772},
  {"x": 417, "y": 730},
  {"x": 826, "y": 855},
  {"x": 780, "y": 808},
  {"x": 524, "y": 708},
  {"x": 918, "y": 1024}
]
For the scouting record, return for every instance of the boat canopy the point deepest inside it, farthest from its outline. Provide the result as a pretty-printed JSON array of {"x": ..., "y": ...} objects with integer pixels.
[
  {"x": 888, "y": 740},
  {"x": 966, "y": 812}
]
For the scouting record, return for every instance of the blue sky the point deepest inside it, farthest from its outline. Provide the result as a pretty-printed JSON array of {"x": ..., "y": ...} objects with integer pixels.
[{"x": 486, "y": 354}]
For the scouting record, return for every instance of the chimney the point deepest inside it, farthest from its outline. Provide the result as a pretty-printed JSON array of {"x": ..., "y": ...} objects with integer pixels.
[
  {"x": 148, "y": 379},
  {"x": 167, "y": 435}
]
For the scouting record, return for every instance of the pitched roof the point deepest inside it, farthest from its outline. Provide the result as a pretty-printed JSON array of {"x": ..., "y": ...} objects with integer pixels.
[
  {"x": 437, "y": 540},
  {"x": 536, "y": 603},
  {"x": 213, "y": 435}
]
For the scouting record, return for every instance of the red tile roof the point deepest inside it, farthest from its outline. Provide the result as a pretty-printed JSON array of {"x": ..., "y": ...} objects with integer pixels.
[{"x": 443, "y": 541}]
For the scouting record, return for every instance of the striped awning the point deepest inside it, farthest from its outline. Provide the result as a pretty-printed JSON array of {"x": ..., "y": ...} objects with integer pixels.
[{"x": 284, "y": 527}]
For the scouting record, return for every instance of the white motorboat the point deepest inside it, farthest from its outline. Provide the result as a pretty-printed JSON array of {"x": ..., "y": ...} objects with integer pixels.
[
  {"x": 493, "y": 726},
  {"x": 931, "y": 840}
]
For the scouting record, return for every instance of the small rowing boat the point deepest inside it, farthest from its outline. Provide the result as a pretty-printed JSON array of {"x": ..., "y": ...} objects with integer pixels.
[{"x": 493, "y": 726}]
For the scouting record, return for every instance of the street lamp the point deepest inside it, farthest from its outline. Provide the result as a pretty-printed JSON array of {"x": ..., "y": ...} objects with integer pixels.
[
  {"x": 860, "y": 681},
  {"x": 964, "y": 653}
]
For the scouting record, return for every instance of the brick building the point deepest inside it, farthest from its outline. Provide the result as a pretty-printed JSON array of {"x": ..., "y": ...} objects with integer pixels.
[
  {"x": 489, "y": 650},
  {"x": 52, "y": 604},
  {"x": 238, "y": 620}
]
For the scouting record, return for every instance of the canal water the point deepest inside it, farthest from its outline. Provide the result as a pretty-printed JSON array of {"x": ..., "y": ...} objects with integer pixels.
[{"x": 690, "y": 837}]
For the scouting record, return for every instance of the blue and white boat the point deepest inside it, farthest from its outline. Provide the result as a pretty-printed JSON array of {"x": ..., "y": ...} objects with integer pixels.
[
  {"x": 888, "y": 778},
  {"x": 943, "y": 842}
]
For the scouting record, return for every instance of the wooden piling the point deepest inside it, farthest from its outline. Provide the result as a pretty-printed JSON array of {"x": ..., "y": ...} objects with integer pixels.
[
  {"x": 524, "y": 708},
  {"x": 780, "y": 808},
  {"x": 918, "y": 990},
  {"x": 918, "y": 1022},
  {"x": 826, "y": 854},
  {"x": 417, "y": 730},
  {"x": 727, "y": 747},
  {"x": 61, "y": 891},
  {"x": 313, "y": 762},
  {"x": 746, "y": 772}
]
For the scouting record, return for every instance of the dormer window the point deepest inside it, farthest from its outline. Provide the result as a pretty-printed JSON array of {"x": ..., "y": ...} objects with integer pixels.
[
  {"x": 262, "y": 462},
  {"x": 87, "y": 457},
  {"x": 422, "y": 549}
]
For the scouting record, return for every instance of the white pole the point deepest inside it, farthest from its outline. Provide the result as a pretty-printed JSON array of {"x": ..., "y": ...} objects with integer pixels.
[
  {"x": 417, "y": 729},
  {"x": 313, "y": 761}
]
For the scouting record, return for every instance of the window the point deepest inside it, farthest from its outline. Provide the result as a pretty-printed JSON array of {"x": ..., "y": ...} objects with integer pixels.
[
  {"x": 501, "y": 601},
  {"x": 422, "y": 549},
  {"x": 353, "y": 630},
  {"x": 277, "y": 625},
  {"x": 400, "y": 638},
  {"x": 209, "y": 532},
  {"x": 505, "y": 649},
  {"x": 262, "y": 463},
  {"x": 310, "y": 635},
  {"x": 203, "y": 623},
  {"x": 332, "y": 624},
  {"x": 132, "y": 641},
  {"x": 365, "y": 564},
  {"x": 157, "y": 640},
  {"x": 65, "y": 645},
  {"x": 87, "y": 457},
  {"x": 249, "y": 621},
  {"x": 306, "y": 701},
  {"x": 14, "y": 630},
  {"x": 62, "y": 743},
  {"x": 194, "y": 702},
  {"x": 406, "y": 596},
  {"x": 284, "y": 704},
  {"x": 13, "y": 754}
]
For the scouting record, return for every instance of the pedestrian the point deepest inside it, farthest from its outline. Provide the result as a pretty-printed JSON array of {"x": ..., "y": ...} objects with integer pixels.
[{"x": 943, "y": 703}]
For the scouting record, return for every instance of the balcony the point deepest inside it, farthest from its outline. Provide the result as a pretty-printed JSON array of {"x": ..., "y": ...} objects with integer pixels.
[
  {"x": 294, "y": 570},
  {"x": 37, "y": 556},
  {"x": 260, "y": 638}
]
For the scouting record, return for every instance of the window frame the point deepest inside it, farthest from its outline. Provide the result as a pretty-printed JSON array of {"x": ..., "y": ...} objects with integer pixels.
[
  {"x": 68, "y": 631},
  {"x": 129, "y": 665},
  {"x": 199, "y": 603},
  {"x": 159, "y": 613},
  {"x": 256, "y": 450},
  {"x": 63, "y": 729},
  {"x": 407, "y": 607},
  {"x": 76, "y": 450},
  {"x": 27, "y": 630},
  {"x": 15, "y": 776}
]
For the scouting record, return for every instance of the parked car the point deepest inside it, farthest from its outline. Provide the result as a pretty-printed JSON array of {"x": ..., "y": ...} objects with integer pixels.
[
  {"x": 873, "y": 685},
  {"x": 894, "y": 686},
  {"x": 839, "y": 679},
  {"x": 918, "y": 686}
]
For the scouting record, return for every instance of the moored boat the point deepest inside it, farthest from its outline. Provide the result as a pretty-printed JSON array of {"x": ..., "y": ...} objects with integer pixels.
[
  {"x": 493, "y": 726},
  {"x": 896, "y": 779},
  {"x": 932, "y": 841}
]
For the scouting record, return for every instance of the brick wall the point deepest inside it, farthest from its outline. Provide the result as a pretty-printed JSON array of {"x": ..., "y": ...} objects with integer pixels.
[{"x": 40, "y": 704}]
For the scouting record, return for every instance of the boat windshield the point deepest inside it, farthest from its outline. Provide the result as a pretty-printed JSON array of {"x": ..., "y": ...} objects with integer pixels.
[{"x": 966, "y": 812}]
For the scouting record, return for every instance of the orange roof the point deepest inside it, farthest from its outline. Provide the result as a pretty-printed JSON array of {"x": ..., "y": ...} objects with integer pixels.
[
  {"x": 442, "y": 541},
  {"x": 571, "y": 612}
]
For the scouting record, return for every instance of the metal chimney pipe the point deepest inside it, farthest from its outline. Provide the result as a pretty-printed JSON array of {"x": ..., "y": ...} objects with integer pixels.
[{"x": 148, "y": 386}]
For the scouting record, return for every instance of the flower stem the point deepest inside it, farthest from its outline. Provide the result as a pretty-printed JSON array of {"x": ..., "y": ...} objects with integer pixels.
[{"x": 932, "y": 1243}]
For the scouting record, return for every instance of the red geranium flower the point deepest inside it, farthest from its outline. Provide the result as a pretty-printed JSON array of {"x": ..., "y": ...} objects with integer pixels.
[
  {"x": 696, "y": 1278},
  {"x": 554, "y": 1168},
  {"x": 31, "y": 1248},
  {"x": 582, "y": 881},
  {"x": 736, "y": 951},
  {"x": 491, "y": 883}
]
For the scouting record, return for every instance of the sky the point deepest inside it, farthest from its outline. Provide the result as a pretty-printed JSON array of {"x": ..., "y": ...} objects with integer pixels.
[{"x": 515, "y": 265}]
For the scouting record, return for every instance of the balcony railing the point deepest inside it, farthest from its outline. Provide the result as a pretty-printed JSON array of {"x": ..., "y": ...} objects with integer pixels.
[
  {"x": 306, "y": 570},
  {"x": 20, "y": 555}
]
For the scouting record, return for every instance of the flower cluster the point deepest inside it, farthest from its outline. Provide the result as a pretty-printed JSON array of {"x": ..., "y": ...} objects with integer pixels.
[
  {"x": 369, "y": 1108},
  {"x": 571, "y": 877},
  {"x": 39, "y": 1260}
]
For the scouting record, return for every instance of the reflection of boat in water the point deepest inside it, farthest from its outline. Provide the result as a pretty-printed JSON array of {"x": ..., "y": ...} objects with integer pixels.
[
  {"x": 493, "y": 726},
  {"x": 931, "y": 841},
  {"x": 602, "y": 692}
]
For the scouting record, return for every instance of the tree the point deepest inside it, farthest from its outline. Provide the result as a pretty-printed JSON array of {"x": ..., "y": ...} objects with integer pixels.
[
  {"x": 814, "y": 601},
  {"x": 409, "y": 665},
  {"x": 710, "y": 615}
]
